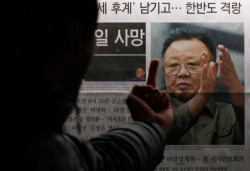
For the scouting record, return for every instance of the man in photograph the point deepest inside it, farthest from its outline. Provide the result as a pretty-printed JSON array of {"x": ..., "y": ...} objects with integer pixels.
[
  {"x": 139, "y": 74},
  {"x": 190, "y": 69}
]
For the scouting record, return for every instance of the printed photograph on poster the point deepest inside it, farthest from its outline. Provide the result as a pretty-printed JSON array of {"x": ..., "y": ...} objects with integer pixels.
[
  {"x": 120, "y": 54},
  {"x": 208, "y": 102}
]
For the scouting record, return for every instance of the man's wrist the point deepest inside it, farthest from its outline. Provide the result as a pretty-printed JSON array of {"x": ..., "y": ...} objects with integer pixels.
[
  {"x": 235, "y": 87},
  {"x": 203, "y": 96}
]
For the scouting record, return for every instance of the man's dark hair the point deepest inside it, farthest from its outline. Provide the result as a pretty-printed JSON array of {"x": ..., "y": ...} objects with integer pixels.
[
  {"x": 39, "y": 32},
  {"x": 141, "y": 67},
  {"x": 191, "y": 32}
]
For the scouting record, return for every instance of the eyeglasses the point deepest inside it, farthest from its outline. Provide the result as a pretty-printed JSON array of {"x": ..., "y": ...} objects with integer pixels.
[{"x": 173, "y": 68}]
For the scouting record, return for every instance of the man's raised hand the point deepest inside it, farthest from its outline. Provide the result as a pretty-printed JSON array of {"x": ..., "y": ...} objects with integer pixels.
[
  {"x": 229, "y": 77},
  {"x": 146, "y": 102}
]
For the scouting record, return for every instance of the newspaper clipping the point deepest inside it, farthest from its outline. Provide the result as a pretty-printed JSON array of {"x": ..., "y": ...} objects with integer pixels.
[{"x": 132, "y": 33}]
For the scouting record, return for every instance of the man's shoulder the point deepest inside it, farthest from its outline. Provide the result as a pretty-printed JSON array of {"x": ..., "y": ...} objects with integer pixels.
[
  {"x": 223, "y": 107},
  {"x": 225, "y": 115}
]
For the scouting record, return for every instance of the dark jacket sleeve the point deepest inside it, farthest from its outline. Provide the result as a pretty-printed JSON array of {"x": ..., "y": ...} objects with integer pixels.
[{"x": 135, "y": 146}]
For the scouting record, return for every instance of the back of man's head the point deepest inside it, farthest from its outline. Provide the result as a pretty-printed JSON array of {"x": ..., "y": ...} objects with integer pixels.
[{"x": 36, "y": 37}]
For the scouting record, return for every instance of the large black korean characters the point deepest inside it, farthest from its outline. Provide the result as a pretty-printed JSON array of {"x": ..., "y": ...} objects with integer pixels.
[{"x": 120, "y": 50}]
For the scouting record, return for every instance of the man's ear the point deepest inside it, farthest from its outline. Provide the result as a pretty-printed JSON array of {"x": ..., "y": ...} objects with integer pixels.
[
  {"x": 164, "y": 72},
  {"x": 165, "y": 76}
]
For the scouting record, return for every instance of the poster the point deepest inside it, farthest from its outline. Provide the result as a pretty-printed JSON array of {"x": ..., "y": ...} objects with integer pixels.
[{"x": 131, "y": 33}]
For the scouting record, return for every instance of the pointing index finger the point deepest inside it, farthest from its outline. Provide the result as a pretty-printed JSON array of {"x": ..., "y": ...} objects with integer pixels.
[{"x": 152, "y": 72}]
